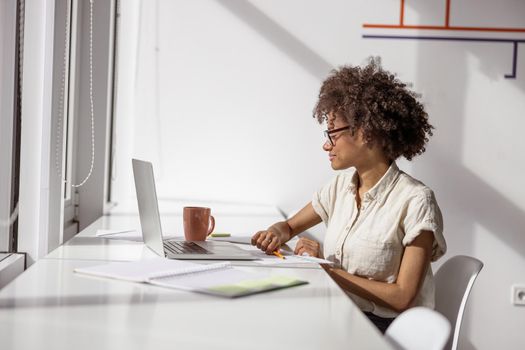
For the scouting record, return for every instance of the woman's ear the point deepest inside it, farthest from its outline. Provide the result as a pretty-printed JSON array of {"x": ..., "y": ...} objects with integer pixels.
[{"x": 359, "y": 135}]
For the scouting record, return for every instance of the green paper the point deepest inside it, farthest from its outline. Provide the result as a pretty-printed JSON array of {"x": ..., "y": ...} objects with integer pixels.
[{"x": 255, "y": 286}]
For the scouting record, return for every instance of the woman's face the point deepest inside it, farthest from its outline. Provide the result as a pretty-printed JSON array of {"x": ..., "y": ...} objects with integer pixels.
[{"x": 348, "y": 150}]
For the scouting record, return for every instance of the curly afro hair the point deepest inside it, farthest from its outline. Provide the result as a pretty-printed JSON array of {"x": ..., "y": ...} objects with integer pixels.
[{"x": 375, "y": 101}]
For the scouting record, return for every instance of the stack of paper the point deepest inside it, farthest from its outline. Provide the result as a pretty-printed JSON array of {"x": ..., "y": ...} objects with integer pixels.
[{"x": 219, "y": 279}]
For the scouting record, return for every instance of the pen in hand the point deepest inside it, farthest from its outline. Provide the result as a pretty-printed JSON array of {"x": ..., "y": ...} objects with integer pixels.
[{"x": 278, "y": 254}]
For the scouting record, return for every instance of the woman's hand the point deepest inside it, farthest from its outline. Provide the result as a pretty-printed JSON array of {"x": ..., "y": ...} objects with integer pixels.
[
  {"x": 309, "y": 247},
  {"x": 279, "y": 233},
  {"x": 271, "y": 239}
]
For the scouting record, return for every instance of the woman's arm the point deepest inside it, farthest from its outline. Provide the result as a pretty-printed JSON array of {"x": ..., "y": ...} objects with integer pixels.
[
  {"x": 281, "y": 232},
  {"x": 399, "y": 295}
]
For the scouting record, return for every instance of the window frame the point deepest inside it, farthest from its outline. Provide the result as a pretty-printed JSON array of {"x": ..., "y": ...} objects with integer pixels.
[{"x": 9, "y": 121}]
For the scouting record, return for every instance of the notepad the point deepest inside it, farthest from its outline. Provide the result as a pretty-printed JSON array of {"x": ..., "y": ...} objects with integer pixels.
[{"x": 219, "y": 279}]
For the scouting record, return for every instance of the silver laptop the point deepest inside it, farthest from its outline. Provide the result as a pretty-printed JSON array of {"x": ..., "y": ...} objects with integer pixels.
[{"x": 152, "y": 230}]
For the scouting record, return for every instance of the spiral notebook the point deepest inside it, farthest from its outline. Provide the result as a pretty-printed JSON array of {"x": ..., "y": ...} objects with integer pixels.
[{"x": 220, "y": 279}]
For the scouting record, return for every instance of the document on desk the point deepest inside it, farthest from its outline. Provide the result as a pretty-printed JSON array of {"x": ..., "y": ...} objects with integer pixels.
[
  {"x": 220, "y": 279},
  {"x": 265, "y": 259},
  {"x": 289, "y": 257}
]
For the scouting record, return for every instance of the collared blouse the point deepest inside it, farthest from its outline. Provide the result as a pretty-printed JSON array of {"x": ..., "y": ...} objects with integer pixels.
[{"x": 370, "y": 241}]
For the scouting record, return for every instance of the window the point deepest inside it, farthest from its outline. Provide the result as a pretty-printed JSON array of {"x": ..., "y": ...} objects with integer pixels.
[
  {"x": 63, "y": 40},
  {"x": 9, "y": 122}
]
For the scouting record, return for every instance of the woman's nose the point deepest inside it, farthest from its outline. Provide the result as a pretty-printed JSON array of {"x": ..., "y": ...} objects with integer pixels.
[{"x": 327, "y": 146}]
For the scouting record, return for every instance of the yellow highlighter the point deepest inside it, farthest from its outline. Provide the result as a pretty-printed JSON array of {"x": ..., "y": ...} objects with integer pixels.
[
  {"x": 278, "y": 254},
  {"x": 220, "y": 234}
]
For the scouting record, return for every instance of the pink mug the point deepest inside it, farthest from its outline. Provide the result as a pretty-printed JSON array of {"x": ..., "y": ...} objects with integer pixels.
[{"x": 198, "y": 223}]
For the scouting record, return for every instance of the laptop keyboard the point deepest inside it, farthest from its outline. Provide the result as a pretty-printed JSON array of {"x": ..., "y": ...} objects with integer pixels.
[{"x": 182, "y": 247}]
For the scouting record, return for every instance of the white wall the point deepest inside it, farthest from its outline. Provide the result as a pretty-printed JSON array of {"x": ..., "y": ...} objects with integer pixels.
[
  {"x": 221, "y": 97},
  {"x": 210, "y": 90}
]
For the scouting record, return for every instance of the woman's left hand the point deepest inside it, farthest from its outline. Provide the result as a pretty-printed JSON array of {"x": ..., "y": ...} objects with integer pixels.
[{"x": 309, "y": 247}]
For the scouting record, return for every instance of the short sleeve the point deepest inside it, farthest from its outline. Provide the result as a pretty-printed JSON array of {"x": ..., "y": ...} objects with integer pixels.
[
  {"x": 423, "y": 214},
  {"x": 323, "y": 201}
]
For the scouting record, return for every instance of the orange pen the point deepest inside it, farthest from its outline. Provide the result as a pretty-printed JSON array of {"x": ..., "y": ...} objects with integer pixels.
[{"x": 278, "y": 254}]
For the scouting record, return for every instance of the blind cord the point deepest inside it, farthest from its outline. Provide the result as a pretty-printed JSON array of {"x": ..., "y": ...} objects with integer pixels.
[
  {"x": 62, "y": 94},
  {"x": 91, "y": 109}
]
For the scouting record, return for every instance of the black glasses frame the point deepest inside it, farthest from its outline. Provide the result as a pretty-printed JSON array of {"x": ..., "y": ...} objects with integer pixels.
[{"x": 328, "y": 133}]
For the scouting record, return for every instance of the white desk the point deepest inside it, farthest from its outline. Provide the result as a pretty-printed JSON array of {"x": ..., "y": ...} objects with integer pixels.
[
  {"x": 86, "y": 246},
  {"x": 50, "y": 307}
]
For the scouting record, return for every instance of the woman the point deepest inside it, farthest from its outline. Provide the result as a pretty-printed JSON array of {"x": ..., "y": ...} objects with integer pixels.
[{"x": 383, "y": 226}]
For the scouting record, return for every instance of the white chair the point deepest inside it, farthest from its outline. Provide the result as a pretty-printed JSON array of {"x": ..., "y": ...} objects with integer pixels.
[
  {"x": 419, "y": 328},
  {"x": 454, "y": 281}
]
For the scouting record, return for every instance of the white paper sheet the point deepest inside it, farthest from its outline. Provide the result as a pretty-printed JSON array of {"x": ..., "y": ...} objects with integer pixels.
[{"x": 289, "y": 258}]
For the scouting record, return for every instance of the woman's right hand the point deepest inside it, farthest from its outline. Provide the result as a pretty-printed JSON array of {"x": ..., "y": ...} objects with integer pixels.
[
  {"x": 271, "y": 239},
  {"x": 279, "y": 233}
]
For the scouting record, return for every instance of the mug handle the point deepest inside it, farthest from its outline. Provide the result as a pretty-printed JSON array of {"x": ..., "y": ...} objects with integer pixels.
[{"x": 212, "y": 225}]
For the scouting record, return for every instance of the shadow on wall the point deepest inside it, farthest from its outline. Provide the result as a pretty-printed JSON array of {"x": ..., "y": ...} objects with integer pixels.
[
  {"x": 287, "y": 43},
  {"x": 465, "y": 190},
  {"x": 472, "y": 198},
  {"x": 278, "y": 36},
  {"x": 468, "y": 200}
]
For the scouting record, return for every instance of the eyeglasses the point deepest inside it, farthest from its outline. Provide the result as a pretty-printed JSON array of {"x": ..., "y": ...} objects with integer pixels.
[{"x": 328, "y": 134}]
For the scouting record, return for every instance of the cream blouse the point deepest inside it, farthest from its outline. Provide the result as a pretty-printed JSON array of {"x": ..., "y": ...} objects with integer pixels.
[{"x": 370, "y": 242}]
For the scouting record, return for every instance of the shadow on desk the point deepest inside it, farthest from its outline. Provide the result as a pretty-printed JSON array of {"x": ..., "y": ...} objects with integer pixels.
[
  {"x": 144, "y": 298},
  {"x": 98, "y": 241}
]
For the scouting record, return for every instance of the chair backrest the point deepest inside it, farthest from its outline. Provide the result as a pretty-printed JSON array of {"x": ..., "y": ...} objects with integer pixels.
[
  {"x": 454, "y": 281},
  {"x": 419, "y": 328}
]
